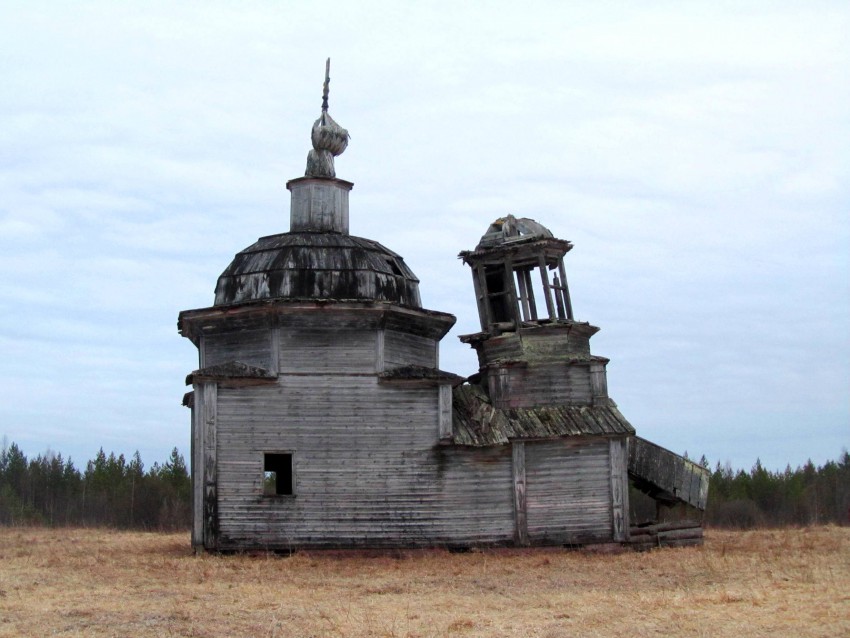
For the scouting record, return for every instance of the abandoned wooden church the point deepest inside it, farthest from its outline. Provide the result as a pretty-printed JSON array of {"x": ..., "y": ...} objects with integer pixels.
[{"x": 320, "y": 417}]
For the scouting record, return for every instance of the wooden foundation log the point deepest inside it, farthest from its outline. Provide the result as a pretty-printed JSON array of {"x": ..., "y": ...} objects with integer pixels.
[{"x": 680, "y": 534}]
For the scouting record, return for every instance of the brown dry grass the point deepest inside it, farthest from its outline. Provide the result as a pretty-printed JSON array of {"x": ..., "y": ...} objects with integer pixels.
[{"x": 82, "y": 582}]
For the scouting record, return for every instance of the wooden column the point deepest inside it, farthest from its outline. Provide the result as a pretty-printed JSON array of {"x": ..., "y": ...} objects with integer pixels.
[
  {"x": 559, "y": 298},
  {"x": 598, "y": 383},
  {"x": 445, "y": 407},
  {"x": 274, "y": 350},
  {"x": 547, "y": 289},
  {"x": 526, "y": 274},
  {"x": 567, "y": 301},
  {"x": 520, "y": 504},
  {"x": 210, "y": 469},
  {"x": 512, "y": 297},
  {"x": 523, "y": 295},
  {"x": 379, "y": 351},
  {"x": 481, "y": 292},
  {"x": 619, "y": 490},
  {"x": 197, "y": 468},
  {"x": 201, "y": 358}
]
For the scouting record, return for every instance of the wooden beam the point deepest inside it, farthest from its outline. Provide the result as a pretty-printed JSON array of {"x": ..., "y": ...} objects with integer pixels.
[
  {"x": 483, "y": 300},
  {"x": 520, "y": 501},
  {"x": 210, "y": 469},
  {"x": 559, "y": 298},
  {"x": 197, "y": 468},
  {"x": 566, "y": 291},
  {"x": 523, "y": 295},
  {"x": 511, "y": 284},
  {"x": 532, "y": 303},
  {"x": 274, "y": 350},
  {"x": 445, "y": 418},
  {"x": 379, "y": 351},
  {"x": 547, "y": 289},
  {"x": 619, "y": 490}
]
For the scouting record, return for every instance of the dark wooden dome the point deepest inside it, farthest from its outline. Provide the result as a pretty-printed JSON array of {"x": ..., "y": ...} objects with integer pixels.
[{"x": 315, "y": 265}]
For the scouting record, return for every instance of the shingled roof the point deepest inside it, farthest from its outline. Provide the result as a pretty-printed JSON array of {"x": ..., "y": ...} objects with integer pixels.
[{"x": 475, "y": 422}]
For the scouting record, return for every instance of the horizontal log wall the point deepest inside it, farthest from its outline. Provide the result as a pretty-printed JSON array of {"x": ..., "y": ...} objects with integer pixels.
[
  {"x": 401, "y": 349},
  {"x": 368, "y": 466},
  {"x": 547, "y": 343},
  {"x": 540, "y": 384},
  {"x": 568, "y": 491},
  {"x": 248, "y": 346},
  {"x": 311, "y": 350},
  {"x": 367, "y": 469}
]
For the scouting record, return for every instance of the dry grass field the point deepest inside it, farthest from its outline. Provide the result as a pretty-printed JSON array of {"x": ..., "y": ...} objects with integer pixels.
[{"x": 83, "y": 582}]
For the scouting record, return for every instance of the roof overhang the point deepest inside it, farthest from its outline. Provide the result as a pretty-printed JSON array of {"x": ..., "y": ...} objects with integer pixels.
[{"x": 339, "y": 314}]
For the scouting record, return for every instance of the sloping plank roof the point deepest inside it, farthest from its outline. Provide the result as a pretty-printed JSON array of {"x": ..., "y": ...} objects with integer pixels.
[
  {"x": 420, "y": 373},
  {"x": 231, "y": 370},
  {"x": 665, "y": 475},
  {"x": 475, "y": 422}
]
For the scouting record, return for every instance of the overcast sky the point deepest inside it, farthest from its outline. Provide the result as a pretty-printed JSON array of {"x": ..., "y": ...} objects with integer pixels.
[{"x": 696, "y": 154}]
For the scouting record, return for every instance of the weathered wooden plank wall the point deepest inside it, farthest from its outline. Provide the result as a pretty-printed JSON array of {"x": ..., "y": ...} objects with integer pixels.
[
  {"x": 619, "y": 489},
  {"x": 568, "y": 491},
  {"x": 247, "y": 346},
  {"x": 401, "y": 349},
  {"x": 312, "y": 350},
  {"x": 666, "y": 475},
  {"x": 520, "y": 495},
  {"x": 366, "y": 465},
  {"x": 545, "y": 384}
]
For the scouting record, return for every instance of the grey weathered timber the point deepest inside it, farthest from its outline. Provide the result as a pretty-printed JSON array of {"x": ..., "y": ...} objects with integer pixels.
[
  {"x": 520, "y": 499},
  {"x": 619, "y": 489},
  {"x": 368, "y": 473},
  {"x": 209, "y": 452},
  {"x": 666, "y": 476},
  {"x": 568, "y": 489},
  {"x": 319, "y": 205},
  {"x": 321, "y": 418},
  {"x": 477, "y": 422},
  {"x": 197, "y": 464},
  {"x": 685, "y": 533},
  {"x": 445, "y": 415},
  {"x": 314, "y": 265},
  {"x": 329, "y": 138}
]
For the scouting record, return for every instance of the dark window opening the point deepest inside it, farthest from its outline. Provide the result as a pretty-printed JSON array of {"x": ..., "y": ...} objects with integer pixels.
[
  {"x": 495, "y": 277},
  {"x": 277, "y": 474},
  {"x": 497, "y": 292},
  {"x": 394, "y": 267}
]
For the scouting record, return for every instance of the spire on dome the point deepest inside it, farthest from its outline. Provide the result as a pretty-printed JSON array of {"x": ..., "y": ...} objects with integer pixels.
[{"x": 329, "y": 138}]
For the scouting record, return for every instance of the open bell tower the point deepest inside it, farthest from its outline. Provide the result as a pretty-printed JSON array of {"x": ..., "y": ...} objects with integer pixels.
[{"x": 531, "y": 351}]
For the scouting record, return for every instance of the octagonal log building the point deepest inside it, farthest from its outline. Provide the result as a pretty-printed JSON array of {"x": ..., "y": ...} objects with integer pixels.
[{"x": 321, "y": 418}]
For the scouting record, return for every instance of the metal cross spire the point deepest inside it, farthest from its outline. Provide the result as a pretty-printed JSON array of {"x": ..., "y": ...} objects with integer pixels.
[{"x": 325, "y": 87}]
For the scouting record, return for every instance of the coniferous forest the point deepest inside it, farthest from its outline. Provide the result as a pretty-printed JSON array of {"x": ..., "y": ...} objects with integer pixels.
[
  {"x": 114, "y": 492},
  {"x": 110, "y": 491}
]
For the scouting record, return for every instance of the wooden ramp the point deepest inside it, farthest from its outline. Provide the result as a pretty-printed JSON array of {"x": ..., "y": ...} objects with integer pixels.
[{"x": 667, "y": 477}]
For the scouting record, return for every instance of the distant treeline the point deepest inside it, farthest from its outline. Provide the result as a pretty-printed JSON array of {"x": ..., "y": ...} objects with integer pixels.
[
  {"x": 809, "y": 495},
  {"x": 114, "y": 492},
  {"x": 111, "y": 491}
]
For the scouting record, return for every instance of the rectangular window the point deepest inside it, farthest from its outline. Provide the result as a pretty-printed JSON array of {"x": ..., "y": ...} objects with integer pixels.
[{"x": 277, "y": 474}]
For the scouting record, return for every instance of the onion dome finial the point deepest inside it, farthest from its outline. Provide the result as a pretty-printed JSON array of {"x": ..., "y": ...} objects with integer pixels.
[{"x": 329, "y": 138}]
